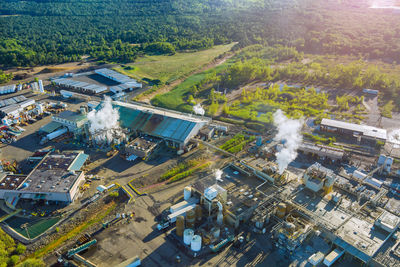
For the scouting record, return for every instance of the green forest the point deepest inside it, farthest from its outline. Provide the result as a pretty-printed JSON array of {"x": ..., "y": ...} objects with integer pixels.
[
  {"x": 266, "y": 69},
  {"x": 47, "y": 32}
]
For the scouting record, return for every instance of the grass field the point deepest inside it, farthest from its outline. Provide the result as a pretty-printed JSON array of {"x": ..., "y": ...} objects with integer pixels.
[
  {"x": 174, "y": 99},
  {"x": 35, "y": 227},
  {"x": 170, "y": 68}
]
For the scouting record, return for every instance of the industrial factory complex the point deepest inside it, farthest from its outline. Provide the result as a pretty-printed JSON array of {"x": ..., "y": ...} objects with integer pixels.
[
  {"x": 55, "y": 178},
  {"x": 130, "y": 183}
]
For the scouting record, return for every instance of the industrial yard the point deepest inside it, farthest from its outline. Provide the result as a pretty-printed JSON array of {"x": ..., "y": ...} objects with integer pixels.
[{"x": 92, "y": 178}]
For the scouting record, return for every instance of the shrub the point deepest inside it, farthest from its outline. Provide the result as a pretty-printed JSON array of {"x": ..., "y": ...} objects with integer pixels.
[
  {"x": 114, "y": 194},
  {"x": 13, "y": 260},
  {"x": 20, "y": 249}
]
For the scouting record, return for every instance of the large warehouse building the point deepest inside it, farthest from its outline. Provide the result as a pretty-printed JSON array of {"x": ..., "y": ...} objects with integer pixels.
[
  {"x": 175, "y": 128},
  {"x": 56, "y": 178},
  {"x": 363, "y": 133}
]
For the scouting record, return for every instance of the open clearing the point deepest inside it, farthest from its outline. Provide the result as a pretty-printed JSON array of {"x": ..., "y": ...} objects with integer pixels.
[{"x": 170, "y": 68}]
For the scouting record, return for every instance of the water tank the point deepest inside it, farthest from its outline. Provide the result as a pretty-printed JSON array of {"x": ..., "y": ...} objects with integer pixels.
[
  {"x": 190, "y": 218},
  {"x": 281, "y": 210},
  {"x": 188, "y": 236},
  {"x": 187, "y": 192},
  {"x": 195, "y": 245},
  {"x": 199, "y": 213},
  {"x": 180, "y": 225}
]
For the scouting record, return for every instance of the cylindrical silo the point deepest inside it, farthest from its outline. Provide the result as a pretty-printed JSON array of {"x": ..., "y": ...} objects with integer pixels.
[
  {"x": 281, "y": 210},
  {"x": 180, "y": 225},
  {"x": 187, "y": 236},
  {"x": 195, "y": 245},
  {"x": 187, "y": 192},
  {"x": 190, "y": 218},
  {"x": 199, "y": 213}
]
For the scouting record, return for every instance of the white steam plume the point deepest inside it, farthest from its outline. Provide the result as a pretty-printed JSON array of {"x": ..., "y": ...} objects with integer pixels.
[
  {"x": 394, "y": 138},
  {"x": 218, "y": 175},
  {"x": 104, "y": 123},
  {"x": 198, "y": 109},
  {"x": 289, "y": 131}
]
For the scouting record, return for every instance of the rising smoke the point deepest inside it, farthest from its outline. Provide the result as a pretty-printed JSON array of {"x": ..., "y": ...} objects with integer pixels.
[
  {"x": 289, "y": 131},
  {"x": 104, "y": 123},
  {"x": 394, "y": 137},
  {"x": 198, "y": 109},
  {"x": 218, "y": 175}
]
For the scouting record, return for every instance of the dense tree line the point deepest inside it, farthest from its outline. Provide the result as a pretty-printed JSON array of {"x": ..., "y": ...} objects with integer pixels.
[
  {"x": 45, "y": 32},
  {"x": 270, "y": 64}
]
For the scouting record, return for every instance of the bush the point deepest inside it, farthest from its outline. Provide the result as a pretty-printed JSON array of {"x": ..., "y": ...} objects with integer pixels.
[
  {"x": 179, "y": 168},
  {"x": 387, "y": 109},
  {"x": 20, "y": 249},
  {"x": 114, "y": 194},
  {"x": 31, "y": 263},
  {"x": 13, "y": 260}
]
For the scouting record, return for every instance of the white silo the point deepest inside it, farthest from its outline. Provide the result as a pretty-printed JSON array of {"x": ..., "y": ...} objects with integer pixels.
[
  {"x": 187, "y": 192},
  {"x": 187, "y": 236},
  {"x": 195, "y": 245}
]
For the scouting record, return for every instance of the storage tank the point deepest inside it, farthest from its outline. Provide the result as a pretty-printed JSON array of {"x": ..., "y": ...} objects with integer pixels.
[
  {"x": 180, "y": 225},
  {"x": 187, "y": 192},
  {"x": 199, "y": 213},
  {"x": 195, "y": 245},
  {"x": 281, "y": 210},
  {"x": 190, "y": 218},
  {"x": 187, "y": 236}
]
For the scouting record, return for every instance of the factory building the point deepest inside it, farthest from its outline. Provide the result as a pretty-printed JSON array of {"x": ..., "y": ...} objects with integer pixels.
[
  {"x": 233, "y": 196},
  {"x": 317, "y": 177},
  {"x": 363, "y": 134},
  {"x": 143, "y": 147},
  {"x": 74, "y": 121},
  {"x": 80, "y": 86},
  {"x": 56, "y": 178},
  {"x": 174, "y": 128},
  {"x": 324, "y": 152},
  {"x": 125, "y": 81}
]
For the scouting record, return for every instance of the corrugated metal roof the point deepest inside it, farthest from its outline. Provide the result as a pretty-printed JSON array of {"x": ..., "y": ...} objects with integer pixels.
[
  {"x": 163, "y": 126},
  {"x": 81, "y": 85},
  {"x": 118, "y": 77},
  {"x": 364, "y": 129},
  {"x": 50, "y": 127},
  {"x": 78, "y": 162}
]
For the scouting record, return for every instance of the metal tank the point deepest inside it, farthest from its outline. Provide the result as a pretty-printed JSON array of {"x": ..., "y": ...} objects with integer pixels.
[{"x": 188, "y": 236}]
